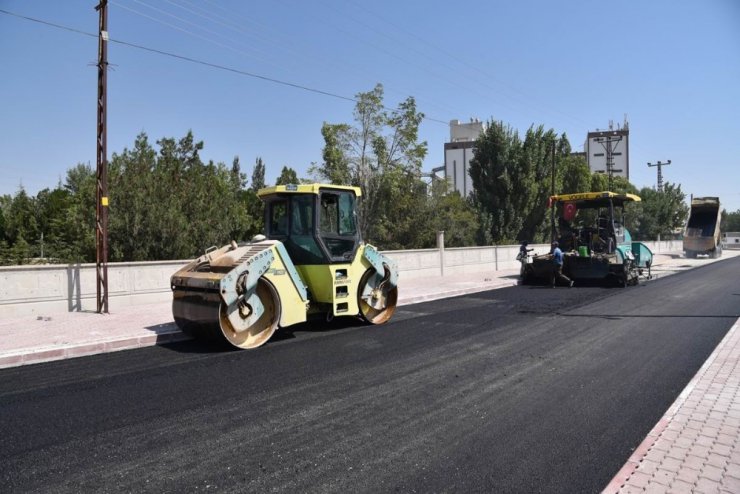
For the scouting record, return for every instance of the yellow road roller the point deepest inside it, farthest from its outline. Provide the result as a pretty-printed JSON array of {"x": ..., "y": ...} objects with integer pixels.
[{"x": 312, "y": 260}]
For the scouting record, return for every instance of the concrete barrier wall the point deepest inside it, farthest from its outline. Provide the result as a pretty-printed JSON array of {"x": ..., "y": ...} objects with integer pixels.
[
  {"x": 419, "y": 263},
  {"x": 436, "y": 262},
  {"x": 663, "y": 246},
  {"x": 41, "y": 290},
  {"x": 47, "y": 289}
]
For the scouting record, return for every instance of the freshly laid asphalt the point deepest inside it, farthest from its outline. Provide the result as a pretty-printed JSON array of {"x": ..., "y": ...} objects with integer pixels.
[{"x": 520, "y": 389}]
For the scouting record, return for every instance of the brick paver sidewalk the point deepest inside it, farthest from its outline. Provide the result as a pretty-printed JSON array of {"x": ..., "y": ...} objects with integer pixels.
[{"x": 695, "y": 446}]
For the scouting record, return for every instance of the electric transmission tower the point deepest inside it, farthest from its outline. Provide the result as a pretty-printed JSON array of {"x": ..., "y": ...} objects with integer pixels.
[
  {"x": 660, "y": 165},
  {"x": 609, "y": 144}
]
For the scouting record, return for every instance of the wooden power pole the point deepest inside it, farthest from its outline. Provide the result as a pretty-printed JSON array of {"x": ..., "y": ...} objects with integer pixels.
[{"x": 101, "y": 198}]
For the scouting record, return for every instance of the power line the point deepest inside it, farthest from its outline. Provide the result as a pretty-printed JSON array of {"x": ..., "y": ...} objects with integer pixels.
[
  {"x": 47, "y": 23},
  {"x": 228, "y": 44},
  {"x": 187, "y": 31},
  {"x": 235, "y": 22},
  {"x": 388, "y": 53},
  {"x": 206, "y": 63},
  {"x": 523, "y": 98},
  {"x": 229, "y": 22}
]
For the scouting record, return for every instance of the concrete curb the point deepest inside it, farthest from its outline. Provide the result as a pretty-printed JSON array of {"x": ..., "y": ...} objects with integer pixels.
[
  {"x": 40, "y": 355},
  {"x": 452, "y": 293}
]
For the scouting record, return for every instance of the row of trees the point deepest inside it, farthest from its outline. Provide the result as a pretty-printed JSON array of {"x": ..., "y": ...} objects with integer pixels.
[
  {"x": 163, "y": 205},
  {"x": 166, "y": 203}
]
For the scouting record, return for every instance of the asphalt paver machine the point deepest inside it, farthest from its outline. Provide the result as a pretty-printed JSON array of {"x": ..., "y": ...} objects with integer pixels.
[{"x": 595, "y": 243}]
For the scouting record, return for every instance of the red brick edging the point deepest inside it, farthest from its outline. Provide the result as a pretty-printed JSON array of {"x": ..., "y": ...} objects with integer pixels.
[{"x": 622, "y": 477}]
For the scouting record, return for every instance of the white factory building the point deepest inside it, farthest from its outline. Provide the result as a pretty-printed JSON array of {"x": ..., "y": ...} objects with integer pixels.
[
  {"x": 601, "y": 145},
  {"x": 459, "y": 152}
]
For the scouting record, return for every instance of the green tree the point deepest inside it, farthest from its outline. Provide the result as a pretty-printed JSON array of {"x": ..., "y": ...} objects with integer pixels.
[
  {"x": 52, "y": 209},
  {"x": 380, "y": 154},
  {"x": 4, "y": 253},
  {"x": 78, "y": 232},
  {"x": 20, "y": 252},
  {"x": 537, "y": 164},
  {"x": 660, "y": 213},
  {"x": 243, "y": 223},
  {"x": 337, "y": 150},
  {"x": 620, "y": 185},
  {"x": 258, "y": 175},
  {"x": 5, "y": 256},
  {"x": 22, "y": 227},
  {"x": 238, "y": 179},
  {"x": 5, "y": 201},
  {"x": 512, "y": 180},
  {"x": 134, "y": 201},
  {"x": 253, "y": 206},
  {"x": 452, "y": 214},
  {"x": 574, "y": 175},
  {"x": 287, "y": 176},
  {"x": 484, "y": 220},
  {"x": 496, "y": 176},
  {"x": 171, "y": 205},
  {"x": 392, "y": 172},
  {"x": 730, "y": 221}
]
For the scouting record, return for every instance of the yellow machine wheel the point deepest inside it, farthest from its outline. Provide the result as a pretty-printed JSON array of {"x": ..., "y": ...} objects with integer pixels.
[
  {"x": 384, "y": 299},
  {"x": 259, "y": 332}
]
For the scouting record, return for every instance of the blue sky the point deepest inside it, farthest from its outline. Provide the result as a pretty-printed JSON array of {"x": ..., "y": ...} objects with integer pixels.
[{"x": 672, "y": 66}]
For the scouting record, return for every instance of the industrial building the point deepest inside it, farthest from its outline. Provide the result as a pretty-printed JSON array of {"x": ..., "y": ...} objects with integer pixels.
[
  {"x": 459, "y": 152},
  {"x": 607, "y": 149}
]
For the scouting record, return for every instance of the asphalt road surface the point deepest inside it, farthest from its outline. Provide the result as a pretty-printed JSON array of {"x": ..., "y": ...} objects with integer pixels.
[{"x": 522, "y": 389}]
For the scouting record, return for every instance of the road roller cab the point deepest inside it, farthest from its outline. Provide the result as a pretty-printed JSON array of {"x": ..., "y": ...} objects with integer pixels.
[{"x": 312, "y": 260}]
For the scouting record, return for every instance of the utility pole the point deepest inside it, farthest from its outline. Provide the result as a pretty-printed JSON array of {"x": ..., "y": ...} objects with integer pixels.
[
  {"x": 552, "y": 193},
  {"x": 101, "y": 196},
  {"x": 606, "y": 143},
  {"x": 660, "y": 164}
]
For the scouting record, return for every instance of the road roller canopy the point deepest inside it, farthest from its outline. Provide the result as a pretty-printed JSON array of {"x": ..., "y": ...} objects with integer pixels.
[
  {"x": 585, "y": 200},
  {"x": 305, "y": 189},
  {"x": 317, "y": 223}
]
